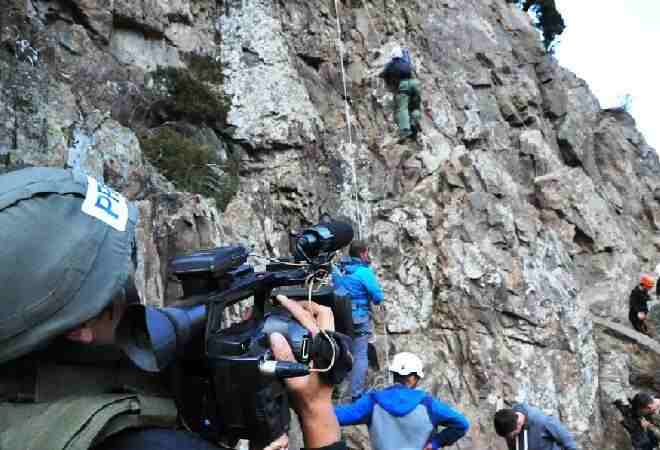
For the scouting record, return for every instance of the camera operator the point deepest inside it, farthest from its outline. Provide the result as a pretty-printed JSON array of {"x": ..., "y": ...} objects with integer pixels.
[{"x": 68, "y": 262}]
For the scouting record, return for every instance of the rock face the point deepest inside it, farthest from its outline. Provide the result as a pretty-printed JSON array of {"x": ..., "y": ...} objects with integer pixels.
[{"x": 522, "y": 210}]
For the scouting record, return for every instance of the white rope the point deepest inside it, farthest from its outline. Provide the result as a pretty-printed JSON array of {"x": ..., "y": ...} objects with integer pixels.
[
  {"x": 356, "y": 199},
  {"x": 347, "y": 111},
  {"x": 387, "y": 349},
  {"x": 388, "y": 374}
]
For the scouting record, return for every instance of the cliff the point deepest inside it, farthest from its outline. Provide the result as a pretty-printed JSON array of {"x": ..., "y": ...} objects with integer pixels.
[{"x": 522, "y": 211}]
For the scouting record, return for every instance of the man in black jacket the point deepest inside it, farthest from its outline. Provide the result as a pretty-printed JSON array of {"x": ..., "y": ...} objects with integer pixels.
[
  {"x": 639, "y": 308},
  {"x": 639, "y": 420}
]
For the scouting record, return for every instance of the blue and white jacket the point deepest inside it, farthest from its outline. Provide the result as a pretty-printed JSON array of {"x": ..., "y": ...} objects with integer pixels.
[
  {"x": 361, "y": 284},
  {"x": 401, "y": 418}
]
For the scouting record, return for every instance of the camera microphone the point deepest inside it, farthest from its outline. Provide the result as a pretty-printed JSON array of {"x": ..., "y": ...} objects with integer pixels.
[{"x": 323, "y": 238}]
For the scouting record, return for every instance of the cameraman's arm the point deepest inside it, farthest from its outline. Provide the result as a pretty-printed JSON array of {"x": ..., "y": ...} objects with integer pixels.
[{"x": 311, "y": 397}]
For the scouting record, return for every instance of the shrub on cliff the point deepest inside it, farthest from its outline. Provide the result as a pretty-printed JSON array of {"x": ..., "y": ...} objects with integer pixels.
[
  {"x": 191, "y": 166},
  {"x": 186, "y": 96},
  {"x": 547, "y": 19}
]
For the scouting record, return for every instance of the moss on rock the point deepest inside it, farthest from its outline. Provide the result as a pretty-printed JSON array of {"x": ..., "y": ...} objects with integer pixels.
[
  {"x": 189, "y": 98},
  {"x": 191, "y": 166},
  {"x": 205, "y": 68}
]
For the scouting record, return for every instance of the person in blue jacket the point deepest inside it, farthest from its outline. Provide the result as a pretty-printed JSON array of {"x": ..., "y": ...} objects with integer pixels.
[
  {"x": 357, "y": 279},
  {"x": 402, "y": 417},
  {"x": 526, "y": 427}
]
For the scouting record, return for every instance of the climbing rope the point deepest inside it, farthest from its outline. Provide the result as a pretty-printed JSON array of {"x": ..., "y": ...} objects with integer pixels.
[
  {"x": 340, "y": 46},
  {"x": 388, "y": 374},
  {"x": 349, "y": 131},
  {"x": 385, "y": 318}
]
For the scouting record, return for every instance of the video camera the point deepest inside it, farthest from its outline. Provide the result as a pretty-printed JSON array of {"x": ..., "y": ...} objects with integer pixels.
[{"x": 225, "y": 380}]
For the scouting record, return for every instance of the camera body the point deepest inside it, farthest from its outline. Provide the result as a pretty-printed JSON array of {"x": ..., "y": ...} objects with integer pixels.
[{"x": 228, "y": 396}]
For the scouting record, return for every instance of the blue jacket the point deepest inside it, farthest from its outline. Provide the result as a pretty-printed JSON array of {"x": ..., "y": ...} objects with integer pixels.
[
  {"x": 543, "y": 432},
  {"x": 359, "y": 280},
  {"x": 403, "y": 418}
]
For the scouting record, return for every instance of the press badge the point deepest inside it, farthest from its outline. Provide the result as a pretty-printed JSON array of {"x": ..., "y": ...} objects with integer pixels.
[{"x": 105, "y": 204}]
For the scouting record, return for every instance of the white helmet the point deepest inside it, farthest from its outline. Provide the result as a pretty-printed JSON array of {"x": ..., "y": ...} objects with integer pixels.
[
  {"x": 397, "y": 52},
  {"x": 405, "y": 363},
  {"x": 657, "y": 270}
]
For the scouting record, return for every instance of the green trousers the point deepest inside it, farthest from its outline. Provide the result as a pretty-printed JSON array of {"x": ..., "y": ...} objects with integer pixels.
[{"x": 409, "y": 102}]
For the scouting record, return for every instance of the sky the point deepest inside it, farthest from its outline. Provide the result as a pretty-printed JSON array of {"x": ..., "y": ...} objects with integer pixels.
[{"x": 614, "y": 45}]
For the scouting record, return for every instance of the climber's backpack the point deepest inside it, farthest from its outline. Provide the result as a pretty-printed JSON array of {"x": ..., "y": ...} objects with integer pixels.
[
  {"x": 407, "y": 58},
  {"x": 400, "y": 65}
]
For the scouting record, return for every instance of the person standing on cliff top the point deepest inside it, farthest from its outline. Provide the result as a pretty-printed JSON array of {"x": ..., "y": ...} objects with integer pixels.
[{"x": 638, "y": 302}]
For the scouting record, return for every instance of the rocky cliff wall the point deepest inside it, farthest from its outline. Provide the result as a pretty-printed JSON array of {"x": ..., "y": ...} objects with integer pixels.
[{"x": 522, "y": 210}]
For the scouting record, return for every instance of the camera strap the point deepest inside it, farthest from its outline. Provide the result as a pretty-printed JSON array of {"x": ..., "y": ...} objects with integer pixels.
[{"x": 332, "y": 350}]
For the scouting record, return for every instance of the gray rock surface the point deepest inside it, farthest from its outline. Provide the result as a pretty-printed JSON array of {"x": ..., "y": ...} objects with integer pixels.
[{"x": 522, "y": 210}]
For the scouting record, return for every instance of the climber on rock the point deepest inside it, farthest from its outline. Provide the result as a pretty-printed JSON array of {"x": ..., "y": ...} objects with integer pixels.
[
  {"x": 526, "y": 427},
  {"x": 398, "y": 75},
  {"x": 403, "y": 417},
  {"x": 357, "y": 278},
  {"x": 639, "y": 308}
]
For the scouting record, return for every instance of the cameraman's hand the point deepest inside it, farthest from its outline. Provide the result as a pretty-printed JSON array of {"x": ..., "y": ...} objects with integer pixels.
[
  {"x": 644, "y": 423},
  {"x": 311, "y": 397},
  {"x": 281, "y": 443},
  {"x": 311, "y": 315}
]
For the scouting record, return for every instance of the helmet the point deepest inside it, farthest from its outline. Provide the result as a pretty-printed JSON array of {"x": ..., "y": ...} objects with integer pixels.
[
  {"x": 406, "y": 363},
  {"x": 397, "y": 52},
  {"x": 646, "y": 281},
  {"x": 66, "y": 243}
]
